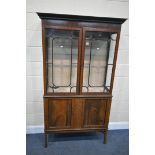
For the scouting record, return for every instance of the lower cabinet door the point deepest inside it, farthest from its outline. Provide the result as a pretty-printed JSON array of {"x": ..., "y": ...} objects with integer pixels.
[
  {"x": 74, "y": 113},
  {"x": 94, "y": 113},
  {"x": 59, "y": 113}
]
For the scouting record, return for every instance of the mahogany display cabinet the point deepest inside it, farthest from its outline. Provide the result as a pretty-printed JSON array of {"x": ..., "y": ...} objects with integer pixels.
[{"x": 79, "y": 61}]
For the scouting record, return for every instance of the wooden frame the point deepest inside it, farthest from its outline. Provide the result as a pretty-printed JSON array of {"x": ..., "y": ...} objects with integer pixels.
[{"x": 78, "y": 112}]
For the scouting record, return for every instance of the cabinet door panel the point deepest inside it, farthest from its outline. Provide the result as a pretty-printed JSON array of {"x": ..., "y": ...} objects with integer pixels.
[
  {"x": 59, "y": 113},
  {"x": 94, "y": 112}
]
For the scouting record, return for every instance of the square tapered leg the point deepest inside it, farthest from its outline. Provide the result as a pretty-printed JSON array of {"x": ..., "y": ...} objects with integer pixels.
[
  {"x": 46, "y": 140},
  {"x": 105, "y": 132}
]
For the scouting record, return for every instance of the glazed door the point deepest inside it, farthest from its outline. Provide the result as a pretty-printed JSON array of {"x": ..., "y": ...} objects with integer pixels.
[
  {"x": 98, "y": 51},
  {"x": 62, "y": 48}
]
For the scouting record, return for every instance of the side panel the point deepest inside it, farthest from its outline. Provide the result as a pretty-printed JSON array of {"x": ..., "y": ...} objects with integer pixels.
[
  {"x": 46, "y": 113},
  {"x": 108, "y": 109}
]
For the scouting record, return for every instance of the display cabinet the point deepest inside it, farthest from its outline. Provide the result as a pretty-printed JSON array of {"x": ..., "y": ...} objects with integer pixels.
[{"x": 79, "y": 61}]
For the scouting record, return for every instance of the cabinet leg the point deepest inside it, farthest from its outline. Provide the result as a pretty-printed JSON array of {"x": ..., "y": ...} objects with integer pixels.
[
  {"x": 105, "y": 132},
  {"x": 46, "y": 140}
]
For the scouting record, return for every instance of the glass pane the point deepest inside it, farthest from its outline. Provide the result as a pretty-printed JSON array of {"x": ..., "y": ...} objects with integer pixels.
[
  {"x": 99, "y": 54},
  {"x": 112, "y": 48},
  {"x": 112, "y": 45},
  {"x": 108, "y": 77},
  {"x": 62, "y": 49}
]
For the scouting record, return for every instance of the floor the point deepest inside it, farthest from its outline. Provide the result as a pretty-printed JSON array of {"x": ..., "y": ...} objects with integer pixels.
[{"x": 79, "y": 144}]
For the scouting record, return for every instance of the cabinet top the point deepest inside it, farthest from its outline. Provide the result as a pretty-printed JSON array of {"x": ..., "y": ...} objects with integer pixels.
[{"x": 81, "y": 18}]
